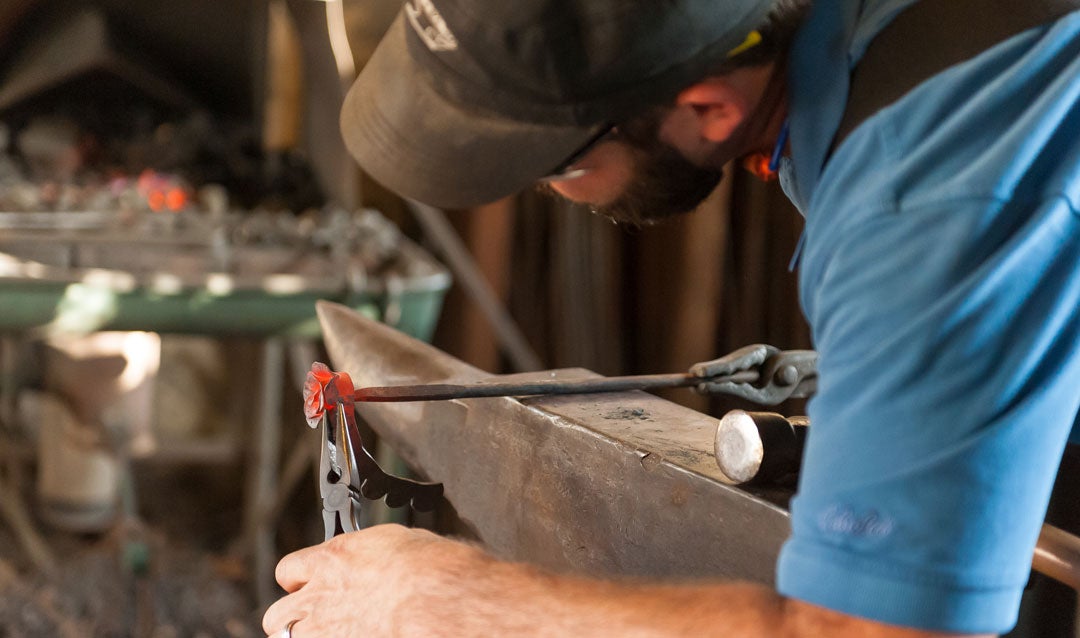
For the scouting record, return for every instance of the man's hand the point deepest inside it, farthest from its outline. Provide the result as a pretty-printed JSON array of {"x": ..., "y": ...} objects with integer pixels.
[
  {"x": 393, "y": 581},
  {"x": 364, "y": 583}
]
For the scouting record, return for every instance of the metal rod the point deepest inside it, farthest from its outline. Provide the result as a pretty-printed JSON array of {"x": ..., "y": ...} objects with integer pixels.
[{"x": 445, "y": 391}]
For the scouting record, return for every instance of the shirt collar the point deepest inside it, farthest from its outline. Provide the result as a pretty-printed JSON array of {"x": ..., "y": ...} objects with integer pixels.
[{"x": 826, "y": 48}]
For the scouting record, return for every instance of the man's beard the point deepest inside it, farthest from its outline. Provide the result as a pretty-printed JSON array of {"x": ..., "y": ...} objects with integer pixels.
[{"x": 664, "y": 185}]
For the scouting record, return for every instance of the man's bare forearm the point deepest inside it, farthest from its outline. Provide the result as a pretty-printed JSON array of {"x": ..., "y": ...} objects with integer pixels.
[
  {"x": 518, "y": 600},
  {"x": 514, "y": 600},
  {"x": 392, "y": 581}
]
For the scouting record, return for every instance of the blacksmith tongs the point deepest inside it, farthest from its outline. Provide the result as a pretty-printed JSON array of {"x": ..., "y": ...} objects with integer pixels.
[
  {"x": 759, "y": 373},
  {"x": 782, "y": 374}
]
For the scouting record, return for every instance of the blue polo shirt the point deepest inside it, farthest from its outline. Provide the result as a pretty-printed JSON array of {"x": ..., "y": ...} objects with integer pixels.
[{"x": 940, "y": 274}]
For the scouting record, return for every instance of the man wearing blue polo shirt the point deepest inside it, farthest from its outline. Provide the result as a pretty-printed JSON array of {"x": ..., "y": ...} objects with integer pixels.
[{"x": 939, "y": 271}]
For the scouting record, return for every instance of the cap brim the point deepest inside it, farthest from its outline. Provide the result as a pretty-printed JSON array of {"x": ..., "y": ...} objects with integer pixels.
[{"x": 415, "y": 142}]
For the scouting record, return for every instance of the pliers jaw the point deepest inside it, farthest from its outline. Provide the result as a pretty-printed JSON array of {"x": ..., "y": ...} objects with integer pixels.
[{"x": 341, "y": 508}]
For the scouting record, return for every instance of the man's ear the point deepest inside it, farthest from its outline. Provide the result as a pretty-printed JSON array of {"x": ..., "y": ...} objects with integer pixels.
[{"x": 718, "y": 105}]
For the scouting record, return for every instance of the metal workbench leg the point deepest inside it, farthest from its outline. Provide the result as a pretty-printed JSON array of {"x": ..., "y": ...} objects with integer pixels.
[
  {"x": 13, "y": 509},
  {"x": 262, "y": 473}
]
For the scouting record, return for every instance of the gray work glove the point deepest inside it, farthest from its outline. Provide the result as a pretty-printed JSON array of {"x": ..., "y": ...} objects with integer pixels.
[{"x": 746, "y": 358}]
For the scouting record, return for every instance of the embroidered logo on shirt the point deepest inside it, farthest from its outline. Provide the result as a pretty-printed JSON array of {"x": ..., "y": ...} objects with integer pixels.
[
  {"x": 841, "y": 519},
  {"x": 430, "y": 26}
]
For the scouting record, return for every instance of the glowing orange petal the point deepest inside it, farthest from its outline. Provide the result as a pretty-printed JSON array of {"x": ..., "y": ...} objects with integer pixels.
[{"x": 314, "y": 403}]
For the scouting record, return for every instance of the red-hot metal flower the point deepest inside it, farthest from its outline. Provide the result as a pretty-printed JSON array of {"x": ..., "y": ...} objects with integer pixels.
[{"x": 319, "y": 378}]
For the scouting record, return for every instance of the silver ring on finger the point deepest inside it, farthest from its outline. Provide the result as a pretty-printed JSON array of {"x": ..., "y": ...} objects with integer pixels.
[{"x": 286, "y": 632}]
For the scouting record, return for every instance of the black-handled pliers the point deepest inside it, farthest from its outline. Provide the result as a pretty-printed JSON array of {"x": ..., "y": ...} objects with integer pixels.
[{"x": 347, "y": 472}]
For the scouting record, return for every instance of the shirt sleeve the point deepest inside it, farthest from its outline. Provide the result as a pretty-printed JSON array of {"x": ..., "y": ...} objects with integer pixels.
[{"x": 949, "y": 341}]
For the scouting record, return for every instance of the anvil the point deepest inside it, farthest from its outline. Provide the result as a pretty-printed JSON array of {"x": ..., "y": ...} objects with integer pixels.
[{"x": 609, "y": 484}]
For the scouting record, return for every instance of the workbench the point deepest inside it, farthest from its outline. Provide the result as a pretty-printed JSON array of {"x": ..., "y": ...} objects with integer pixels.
[{"x": 68, "y": 282}]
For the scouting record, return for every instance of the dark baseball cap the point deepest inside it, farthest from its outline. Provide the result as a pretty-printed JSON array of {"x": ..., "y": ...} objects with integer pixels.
[{"x": 467, "y": 101}]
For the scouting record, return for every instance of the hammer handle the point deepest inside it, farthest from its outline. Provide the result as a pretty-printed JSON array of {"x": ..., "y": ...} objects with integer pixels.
[{"x": 1057, "y": 555}]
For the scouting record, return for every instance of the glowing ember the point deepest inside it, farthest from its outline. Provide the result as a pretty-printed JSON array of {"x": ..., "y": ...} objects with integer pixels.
[
  {"x": 156, "y": 201},
  {"x": 162, "y": 191},
  {"x": 176, "y": 199}
]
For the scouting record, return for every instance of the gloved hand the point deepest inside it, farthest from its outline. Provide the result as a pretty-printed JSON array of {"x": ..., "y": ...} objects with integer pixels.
[{"x": 746, "y": 358}]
